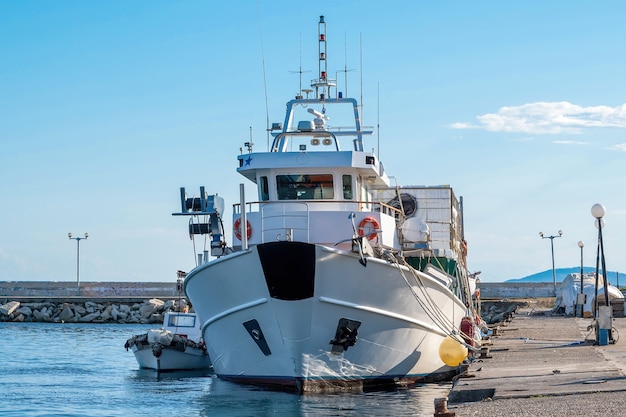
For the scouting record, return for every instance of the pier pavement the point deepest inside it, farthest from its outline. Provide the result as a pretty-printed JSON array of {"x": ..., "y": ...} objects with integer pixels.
[{"x": 541, "y": 364}]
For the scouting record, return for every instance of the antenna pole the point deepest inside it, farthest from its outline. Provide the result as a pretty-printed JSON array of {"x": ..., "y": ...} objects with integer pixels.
[
  {"x": 300, "y": 91},
  {"x": 345, "y": 62},
  {"x": 299, "y": 95},
  {"x": 267, "y": 112},
  {"x": 361, "y": 64},
  {"x": 345, "y": 70}
]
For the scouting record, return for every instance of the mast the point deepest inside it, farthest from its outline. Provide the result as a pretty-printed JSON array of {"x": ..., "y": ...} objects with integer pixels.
[{"x": 323, "y": 84}]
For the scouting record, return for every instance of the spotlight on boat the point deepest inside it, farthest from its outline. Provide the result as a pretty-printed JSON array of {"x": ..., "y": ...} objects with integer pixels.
[{"x": 316, "y": 113}]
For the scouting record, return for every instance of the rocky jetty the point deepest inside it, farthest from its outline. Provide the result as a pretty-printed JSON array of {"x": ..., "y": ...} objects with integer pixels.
[
  {"x": 494, "y": 312},
  {"x": 147, "y": 312}
]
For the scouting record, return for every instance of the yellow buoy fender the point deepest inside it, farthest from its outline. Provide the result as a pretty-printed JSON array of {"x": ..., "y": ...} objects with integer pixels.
[{"x": 451, "y": 352}]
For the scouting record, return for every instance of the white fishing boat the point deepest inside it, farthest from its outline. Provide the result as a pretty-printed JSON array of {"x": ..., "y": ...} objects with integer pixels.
[
  {"x": 336, "y": 278},
  {"x": 178, "y": 345}
]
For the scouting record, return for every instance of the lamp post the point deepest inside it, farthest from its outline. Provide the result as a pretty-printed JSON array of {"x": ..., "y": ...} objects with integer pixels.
[
  {"x": 603, "y": 319},
  {"x": 581, "y": 298},
  {"x": 552, "y": 247},
  {"x": 77, "y": 239},
  {"x": 598, "y": 212}
]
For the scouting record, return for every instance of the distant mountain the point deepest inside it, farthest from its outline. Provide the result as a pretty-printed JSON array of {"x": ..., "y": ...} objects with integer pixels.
[{"x": 561, "y": 273}]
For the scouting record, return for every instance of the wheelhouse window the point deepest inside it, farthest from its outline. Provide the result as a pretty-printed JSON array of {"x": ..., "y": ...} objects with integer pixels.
[
  {"x": 347, "y": 187},
  {"x": 305, "y": 187},
  {"x": 264, "y": 187}
]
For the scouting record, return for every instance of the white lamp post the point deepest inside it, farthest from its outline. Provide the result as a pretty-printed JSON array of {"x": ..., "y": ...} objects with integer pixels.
[
  {"x": 78, "y": 239},
  {"x": 603, "y": 318},
  {"x": 552, "y": 247},
  {"x": 598, "y": 211}
]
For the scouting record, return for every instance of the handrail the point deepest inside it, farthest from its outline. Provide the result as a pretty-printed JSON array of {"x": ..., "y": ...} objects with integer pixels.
[{"x": 384, "y": 207}]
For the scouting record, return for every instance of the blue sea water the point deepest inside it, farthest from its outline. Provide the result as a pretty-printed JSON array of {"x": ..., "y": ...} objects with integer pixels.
[{"x": 83, "y": 370}]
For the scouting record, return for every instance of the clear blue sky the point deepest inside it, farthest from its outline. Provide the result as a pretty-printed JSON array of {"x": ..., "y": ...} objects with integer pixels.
[{"x": 108, "y": 107}]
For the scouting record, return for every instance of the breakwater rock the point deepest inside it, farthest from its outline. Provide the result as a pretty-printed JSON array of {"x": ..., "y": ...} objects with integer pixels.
[
  {"x": 146, "y": 312},
  {"x": 494, "y": 312}
]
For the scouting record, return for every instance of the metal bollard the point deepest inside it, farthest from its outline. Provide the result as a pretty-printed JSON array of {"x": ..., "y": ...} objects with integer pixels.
[{"x": 441, "y": 408}]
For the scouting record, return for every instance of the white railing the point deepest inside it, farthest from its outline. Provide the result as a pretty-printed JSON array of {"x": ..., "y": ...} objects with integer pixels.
[{"x": 291, "y": 220}]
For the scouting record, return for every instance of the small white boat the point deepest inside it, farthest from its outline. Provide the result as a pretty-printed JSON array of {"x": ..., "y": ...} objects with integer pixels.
[{"x": 178, "y": 345}]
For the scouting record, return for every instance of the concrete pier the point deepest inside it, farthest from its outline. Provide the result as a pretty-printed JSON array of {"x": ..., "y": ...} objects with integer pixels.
[
  {"x": 97, "y": 291},
  {"x": 544, "y": 364}
]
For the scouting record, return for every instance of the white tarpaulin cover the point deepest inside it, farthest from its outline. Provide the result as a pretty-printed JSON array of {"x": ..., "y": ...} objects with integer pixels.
[
  {"x": 570, "y": 288},
  {"x": 160, "y": 336}
]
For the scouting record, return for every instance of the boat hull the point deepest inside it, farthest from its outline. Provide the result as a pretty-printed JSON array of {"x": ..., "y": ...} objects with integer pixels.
[
  {"x": 304, "y": 317},
  {"x": 170, "y": 358}
]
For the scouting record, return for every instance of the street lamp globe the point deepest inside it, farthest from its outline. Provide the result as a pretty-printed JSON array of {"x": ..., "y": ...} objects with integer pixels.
[
  {"x": 581, "y": 244},
  {"x": 598, "y": 211},
  {"x": 599, "y": 222}
]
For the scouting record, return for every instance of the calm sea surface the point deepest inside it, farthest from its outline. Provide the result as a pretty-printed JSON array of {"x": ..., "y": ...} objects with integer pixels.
[{"x": 84, "y": 370}]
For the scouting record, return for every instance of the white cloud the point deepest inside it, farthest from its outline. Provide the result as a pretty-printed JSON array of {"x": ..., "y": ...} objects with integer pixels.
[
  {"x": 548, "y": 118},
  {"x": 463, "y": 126},
  {"x": 570, "y": 142},
  {"x": 621, "y": 147}
]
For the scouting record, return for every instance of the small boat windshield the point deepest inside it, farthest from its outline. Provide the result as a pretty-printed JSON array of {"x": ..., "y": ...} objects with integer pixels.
[{"x": 182, "y": 321}]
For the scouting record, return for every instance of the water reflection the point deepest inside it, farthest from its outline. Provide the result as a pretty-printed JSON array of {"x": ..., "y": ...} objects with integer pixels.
[{"x": 230, "y": 399}]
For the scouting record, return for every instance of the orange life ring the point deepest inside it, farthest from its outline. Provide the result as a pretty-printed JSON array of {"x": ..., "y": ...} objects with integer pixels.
[
  {"x": 369, "y": 223},
  {"x": 237, "y": 229}
]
